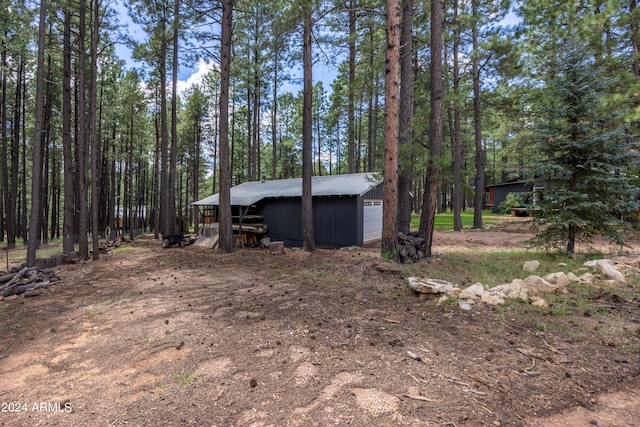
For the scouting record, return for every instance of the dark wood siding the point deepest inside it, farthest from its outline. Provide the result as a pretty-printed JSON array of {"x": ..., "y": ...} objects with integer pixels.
[
  {"x": 335, "y": 220},
  {"x": 500, "y": 193}
]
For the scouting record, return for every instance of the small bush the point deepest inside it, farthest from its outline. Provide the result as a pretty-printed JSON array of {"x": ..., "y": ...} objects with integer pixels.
[{"x": 513, "y": 200}]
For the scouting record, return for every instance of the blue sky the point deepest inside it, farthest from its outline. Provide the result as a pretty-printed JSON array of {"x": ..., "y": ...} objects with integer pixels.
[{"x": 189, "y": 74}]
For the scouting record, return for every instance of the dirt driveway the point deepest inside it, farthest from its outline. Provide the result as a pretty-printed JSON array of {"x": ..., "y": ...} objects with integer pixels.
[{"x": 189, "y": 336}]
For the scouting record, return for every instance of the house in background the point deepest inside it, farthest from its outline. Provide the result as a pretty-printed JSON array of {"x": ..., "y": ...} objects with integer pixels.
[
  {"x": 347, "y": 209},
  {"x": 498, "y": 192}
]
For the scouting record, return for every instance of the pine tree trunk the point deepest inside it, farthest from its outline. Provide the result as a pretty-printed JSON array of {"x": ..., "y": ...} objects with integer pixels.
[
  {"x": 34, "y": 223},
  {"x": 351, "y": 143},
  {"x": 6, "y": 193},
  {"x": 173, "y": 152},
  {"x": 68, "y": 240},
  {"x": 481, "y": 157},
  {"x": 83, "y": 145},
  {"x": 93, "y": 137},
  {"x": 224, "y": 211},
  {"x": 456, "y": 134},
  {"x": 391, "y": 109},
  {"x": 308, "y": 237},
  {"x": 430, "y": 200},
  {"x": 406, "y": 117}
]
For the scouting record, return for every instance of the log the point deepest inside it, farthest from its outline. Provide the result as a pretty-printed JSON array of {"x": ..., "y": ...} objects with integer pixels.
[
  {"x": 19, "y": 289},
  {"x": 17, "y": 276},
  {"x": 6, "y": 277},
  {"x": 411, "y": 247},
  {"x": 276, "y": 248}
]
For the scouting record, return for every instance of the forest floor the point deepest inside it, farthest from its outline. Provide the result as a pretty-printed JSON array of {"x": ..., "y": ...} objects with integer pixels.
[{"x": 189, "y": 336}]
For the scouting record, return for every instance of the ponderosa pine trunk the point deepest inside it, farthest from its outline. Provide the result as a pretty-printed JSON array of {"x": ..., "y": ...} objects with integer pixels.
[
  {"x": 481, "y": 157},
  {"x": 406, "y": 117},
  {"x": 308, "y": 237},
  {"x": 36, "y": 179},
  {"x": 391, "y": 129},
  {"x": 224, "y": 208},
  {"x": 430, "y": 199}
]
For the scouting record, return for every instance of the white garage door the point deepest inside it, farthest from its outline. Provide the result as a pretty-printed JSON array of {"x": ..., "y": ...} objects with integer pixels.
[{"x": 372, "y": 220}]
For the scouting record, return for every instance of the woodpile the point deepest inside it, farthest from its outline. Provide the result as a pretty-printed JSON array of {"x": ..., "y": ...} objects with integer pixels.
[
  {"x": 26, "y": 280},
  {"x": 106, "y": 245},
  {"x": 411, "y": 248}
]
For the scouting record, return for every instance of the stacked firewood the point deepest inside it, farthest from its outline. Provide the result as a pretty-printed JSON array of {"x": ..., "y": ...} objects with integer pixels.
[
  {"x": 26, "y": 280},
  {"x": 411, "y": 248},
  {"x": 107, "y": 245}
]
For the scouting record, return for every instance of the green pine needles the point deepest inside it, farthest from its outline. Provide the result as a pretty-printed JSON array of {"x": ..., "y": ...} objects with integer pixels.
[{"x": 587, "y": 151}]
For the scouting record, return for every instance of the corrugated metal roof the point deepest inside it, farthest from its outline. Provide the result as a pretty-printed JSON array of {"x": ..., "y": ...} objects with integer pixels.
[{"x": 249, "y": 193}]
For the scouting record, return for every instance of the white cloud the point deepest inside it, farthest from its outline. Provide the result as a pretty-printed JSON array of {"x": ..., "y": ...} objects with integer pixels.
[{"x": 202, "y": 68}]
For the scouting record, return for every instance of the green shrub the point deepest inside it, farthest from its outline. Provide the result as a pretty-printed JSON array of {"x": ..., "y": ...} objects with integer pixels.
[{"x": 513, "y": 200}]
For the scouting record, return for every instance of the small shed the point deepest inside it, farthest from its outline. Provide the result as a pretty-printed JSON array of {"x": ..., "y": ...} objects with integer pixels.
[
  {"x": 498, "y": 192},
  {"x": 347, "y": 209}
]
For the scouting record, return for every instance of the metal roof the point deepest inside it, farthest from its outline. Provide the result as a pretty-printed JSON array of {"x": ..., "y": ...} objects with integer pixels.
[{"x": 251, "y": 192}]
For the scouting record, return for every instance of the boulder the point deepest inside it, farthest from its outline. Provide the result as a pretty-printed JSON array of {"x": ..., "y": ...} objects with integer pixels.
[
  {"x": 559, "y": 278},
  {"x": 493, "y": 298},
  {"x": 610, "y": 272},
  {"x": 515, "y": 289},
  {"x": 587, "y": 278},
  {"x": 531, "y": 265},
  {"x": 429, "y": 286},
  {"x": 473, "y": 292},
  {"x": 572, "y": 277},
  {"x": 607, "y": 268},
  {"x": 464, "y": 305},
  {"x": 539, "y": 302}
]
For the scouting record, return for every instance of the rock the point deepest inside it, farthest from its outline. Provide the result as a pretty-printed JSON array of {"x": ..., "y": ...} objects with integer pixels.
[
  {"x": 587, "y": 278},
  {"x": 559, "y": 278},
  {"x": 535, "y": 280},
  {"x": 538, "y": 286},
  {"x": 590, "y": 264},
  {"x": 464, "y": 305},
  {"x": 491, "y": 298},
  {"x": 610, "y": 272},
  {"x": 473, "y": 292},
  {"x": 531, "y": 265},
  {"x": 515, "y": 289},
  {"x": 607, "y": 268},
  {"x": 539, "y": 302},
  {"x": 572, "y": 277},
  {"x": 429, "y": 286},
  {"x": 11, "y": 297}
]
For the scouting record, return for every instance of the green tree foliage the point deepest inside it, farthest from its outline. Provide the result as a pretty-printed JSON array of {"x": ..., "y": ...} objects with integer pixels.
[{"x": 585, "y": 148}]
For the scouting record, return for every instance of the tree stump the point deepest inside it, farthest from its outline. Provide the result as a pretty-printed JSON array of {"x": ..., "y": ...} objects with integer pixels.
[{"x": 276, "y": 248}]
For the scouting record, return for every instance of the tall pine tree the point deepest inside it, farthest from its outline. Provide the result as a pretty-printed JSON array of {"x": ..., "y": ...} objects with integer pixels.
[{"x": 586, "y": 148}]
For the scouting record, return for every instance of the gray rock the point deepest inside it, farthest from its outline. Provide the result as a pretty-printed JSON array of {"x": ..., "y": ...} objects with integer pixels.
[
  {"x": 473, "y": 292},
  {"x": 531, "y": 265},
  {"x": 559, "y": 278},
  {"x": 464, "y": 305},
  {"x": 492, "y": 298},
  {"x": 429, "y": 286},
  {"x": 587, "y": 278}
]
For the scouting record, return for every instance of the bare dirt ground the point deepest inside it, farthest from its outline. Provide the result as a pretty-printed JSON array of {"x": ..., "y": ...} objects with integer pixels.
[{"x": 189, "y": 336}]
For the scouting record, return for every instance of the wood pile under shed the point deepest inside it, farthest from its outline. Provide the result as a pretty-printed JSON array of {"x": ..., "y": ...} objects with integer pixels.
[
  {"x": 26, "y": 280},
  {"x": 411, "y": 248}
]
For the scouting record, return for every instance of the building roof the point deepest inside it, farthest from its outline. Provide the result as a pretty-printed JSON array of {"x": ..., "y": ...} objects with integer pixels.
[{"x": 251, "y": 192}]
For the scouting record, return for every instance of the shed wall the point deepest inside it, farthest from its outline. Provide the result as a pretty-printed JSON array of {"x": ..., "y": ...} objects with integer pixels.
[
  {"x": 337, "y": 221},
  {"x": 500, "y": 193}
]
